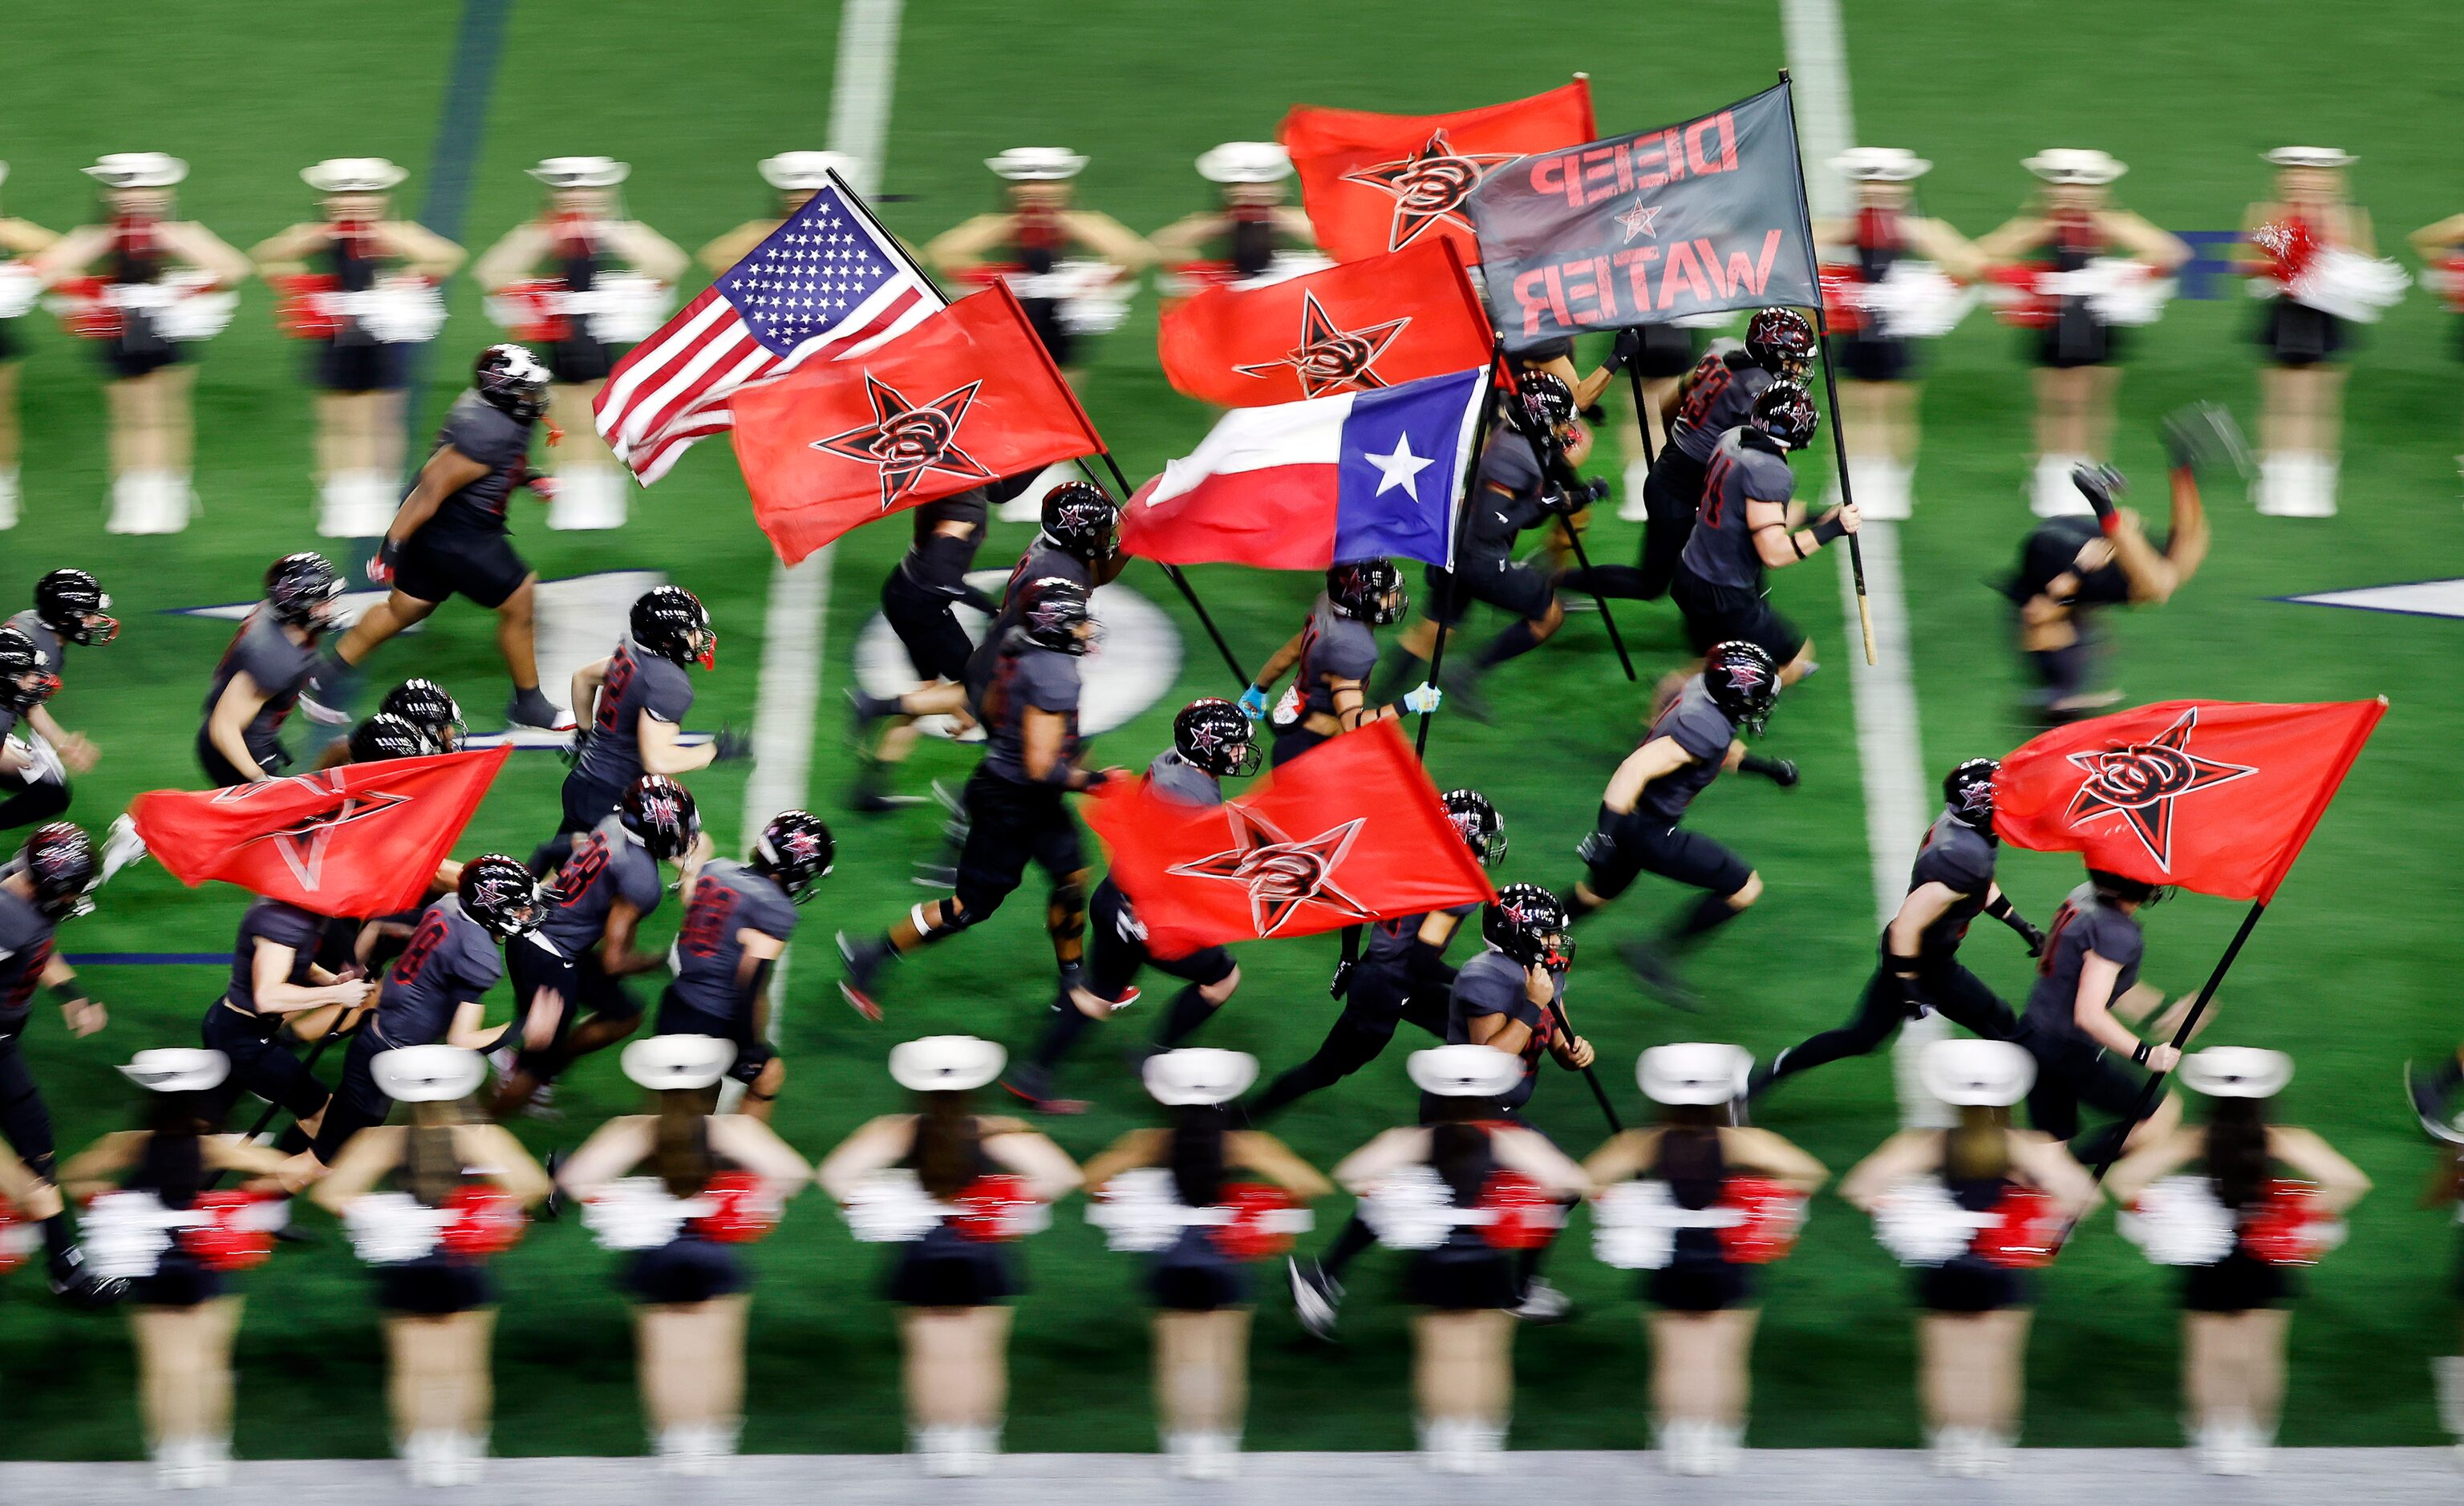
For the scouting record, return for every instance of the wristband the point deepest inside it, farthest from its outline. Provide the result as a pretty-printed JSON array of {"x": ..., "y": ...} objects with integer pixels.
[
  {"x": 67, "y": 994},
  {"x": 1998, "y": 907},
  {"x": 1829, "y": 528},
  {"x": 2139, "y": 1057},
  {"x": 389, "y": 553}
]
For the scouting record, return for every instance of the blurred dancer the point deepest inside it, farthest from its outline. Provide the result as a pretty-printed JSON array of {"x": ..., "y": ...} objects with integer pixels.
[
  {"x": 1071, "y": 269},
  {"x": 19, "y": 284},
  {"x": 1903, "y": 271},
  {"x": 458, "y": 1189},
  {"x": 2249, "y": 1226},
  {"x": 713, "y": 1181},
  {"x": 362, "y": 286},
  {"x": 795, "y": 177},
  {"x": 1703, "y": 1329},
  {"x": 162, "y": 283},
  {"x": 2439, "y": 245},
  {"x": 1461, "y": 1193},
  {"x": 1172, "y": 1193},
  {"x": 951, "y": 1187},
  {"x": 599, "y": 282},
  {"x": 2072, "y": 229},
  {"x": 156, "y": 1224},
  {"x": 1248, "y": 232},
  {"x": 1969, "y": 1209}
]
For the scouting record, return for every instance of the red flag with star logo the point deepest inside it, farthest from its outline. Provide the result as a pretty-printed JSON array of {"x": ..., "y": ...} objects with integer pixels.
[
  {"x": 1350, "y": 831},
  {"x": 2214, "y": 795},
  {"x": 967, "y": 395},
  {"x": 1375, "y": 323},
  {"x": 360, "y": 839},
  {"x": 1374, "y": 183}
]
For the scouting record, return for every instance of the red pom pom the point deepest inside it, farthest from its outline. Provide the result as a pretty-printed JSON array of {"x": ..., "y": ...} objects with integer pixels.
[
  {"x": 2285, "y": 1226},
  {"x": 228, "y": 1243},
  {"x": 745, "y": 1212},
  {"x": 1254, "y": 1232},
  {"x": 301, "y": 315},
  {"x": 486, "y": 1221},
  {"x": 1527, "y": 1215},
  {"x": 1772, "y": 1215},
  {"x": 1843, "y": 317},
  {"x": 989, "y": 1207},
  {"x": 2026, "y": 1233}
]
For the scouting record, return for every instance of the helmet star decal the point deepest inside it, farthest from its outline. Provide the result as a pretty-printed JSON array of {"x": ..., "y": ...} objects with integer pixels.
[
  {"x": 1333, "y": 360},
  {"x": 303, "y": 843},
  {"x": 1282, "y": 875},
  {"x": 1429, "y": 187},
  {"x": 2139, "y": 782},
  {"x": 904, "y": 441}
]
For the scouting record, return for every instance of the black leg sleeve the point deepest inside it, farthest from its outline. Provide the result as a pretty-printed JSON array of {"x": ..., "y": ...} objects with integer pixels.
[
  {"x": 1964, "y": 999},
  {"x": 1878, "y": 1015},
  {"x": 24, "y": 1121}
]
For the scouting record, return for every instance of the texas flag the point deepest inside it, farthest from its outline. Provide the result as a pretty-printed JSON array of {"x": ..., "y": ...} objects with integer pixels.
[{"x": 1298, "y": 485}]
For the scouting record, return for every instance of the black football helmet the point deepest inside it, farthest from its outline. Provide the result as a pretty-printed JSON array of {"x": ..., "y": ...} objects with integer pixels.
[
  {"x": 2110, "y": 886},
  {"x": 1080, "y": 519},
  {"x": 1781, "y": 342},
  {"x": 1528, "y": 923},
  {"x": 1544, "y": 404},
  {"x": 1215, "y": 735},
  {"x": 1785, "y": 412},
  {"x": 424, "y": 705},
  {"x": 1367, "y": 591},
  {"x": 386, "y": 736},
  {"x": 510, "y": 379},
  {"x": 500, "y": 894},
  {"x": 661, "y": 812},
  {"x": 1969, "y": 791},
  {"x": 1477, "y": 823},
  {"x": 1743, "y": 682},
  {"x": 24, "y": 683},
  {"x": 671, "y": 622},
  {"x": 304, "y": 591},
  {"x": 60, "y": 861},
  {"x": 795, "y": 850},
  {"x": 74, "y": 605},
  {"x": 1051, "y": 610}
]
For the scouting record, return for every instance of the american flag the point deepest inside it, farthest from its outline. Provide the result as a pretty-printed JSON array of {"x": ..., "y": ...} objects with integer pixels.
[{"x": 828, "y": 283}]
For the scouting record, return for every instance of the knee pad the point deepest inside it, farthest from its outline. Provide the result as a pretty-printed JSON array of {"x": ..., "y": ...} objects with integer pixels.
[
  {"x": 957, "y": 915},
  {"x": 1065, "y": 912}
]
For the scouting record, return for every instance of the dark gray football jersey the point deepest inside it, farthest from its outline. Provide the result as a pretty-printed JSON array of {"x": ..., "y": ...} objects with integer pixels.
[
  {"x": 284, "y": 925},
  {"x": 1720, "y": 399},
  {"x": 1489, "y": 528},
  {"x": 1959, "y": 858},
  {"x": 607, "y": 863},
  {"x": 450, "y": 961},
  {"x": 25, "y": 950},
  {"x": 1176, "y": 778},
  {"x": 1698, "y": 724},
  {"x": 1492, "y": 984},
  {"x": 1043, "y": 679},
  {"x": 279, "y": 668},
  {"x": 1744, "y": 468},
  {"x": 2082, "y": 925},
  {"x": 639, "y": 684},
  {"x": 1332, "y": 643},
  {"x": 728, "y": 899},
  {"x": 496, "y": 440}
]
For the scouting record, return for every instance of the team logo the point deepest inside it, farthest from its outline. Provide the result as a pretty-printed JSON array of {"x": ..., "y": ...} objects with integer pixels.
[
  {"x": 303, "y": 843},
  {"x": 2141, "y": 781},
  {"x": 1976, "y": 801},
  {"x": 1282, "y": 875},
  {"x": 1333, "y": 360},
  {"x": 1429, "y": 187},
  {"x": 799, "y": 846},
  {"x": 905, "y": 441},
  {"x": 1636, "y": 220},
  {"x": 1745, "y": 674}
]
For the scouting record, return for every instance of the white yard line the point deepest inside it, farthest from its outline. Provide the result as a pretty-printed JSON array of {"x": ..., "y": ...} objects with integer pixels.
[{"x": 1890, "y": 751}]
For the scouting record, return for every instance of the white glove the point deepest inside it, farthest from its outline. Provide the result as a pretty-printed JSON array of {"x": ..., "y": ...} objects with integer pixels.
[{"x": 1422, "y": 698}]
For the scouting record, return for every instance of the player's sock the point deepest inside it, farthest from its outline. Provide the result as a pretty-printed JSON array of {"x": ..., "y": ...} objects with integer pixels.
[
  {"x": 2063, "y": 671},
  {"x": 1781, "y": 772},
  {"x": 1182, "y": 1018},
  {"x": 1356, "y": 1237},
  {"x": 1576, "y": 906},
  {"x": 1624, "y": 581},
  {"x": 58, "y": 1240},
  {"x": 1061, "y": 1031},
  {"x": 1709, "y": 913},
  {"x": 1516, "y": 641}
]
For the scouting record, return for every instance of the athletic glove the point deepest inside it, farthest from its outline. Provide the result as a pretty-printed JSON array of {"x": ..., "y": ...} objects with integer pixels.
[
  {"x": 1422, "y": 698},
  {"x": 2100, "y": 483},
  {"x": 1781, "y": 772},
  {"x": 730, "y": 745},
  {"x": 1912, "y": 997},
  {"x": 1253, "y": 702},
  {"x": 389, "y": 558},
  {"x": 1596, "y": 849},
  {"x": 1629, "y": 345},
  {"x": 2001, "y": 909}
]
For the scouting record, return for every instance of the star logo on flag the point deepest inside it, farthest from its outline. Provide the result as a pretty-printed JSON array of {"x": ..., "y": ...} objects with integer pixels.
[
  {"x": 905, "y": 441},
  {"x": 1282, "y": 875},
  {"x": 1636, "y": 220},
  {"x": 1329, "y": 358},
  {"x": 2141, "y": 781},
  {"x": 1398, "y": 468},
  {"x": 302, "y": 844},
  {"x": 1429, "y": 187}
]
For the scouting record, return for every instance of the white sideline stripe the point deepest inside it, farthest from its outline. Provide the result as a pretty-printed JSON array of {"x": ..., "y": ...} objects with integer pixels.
[
  {"x": 1890, "y": 751},
  {"x": 800, "y": 596}
]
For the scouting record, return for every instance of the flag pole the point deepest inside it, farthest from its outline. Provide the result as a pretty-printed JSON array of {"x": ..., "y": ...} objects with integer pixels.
[
  {"x": 1591, "y": 1076},
  {"x": 1552, "y": 460},
  {"x": 1188, "y": 592},
  {"x": 2154, "y": 1087},
  {"x": 1830, "y": 382},
  {"x": 1454, "y": 548},
  {"x": 1641, "y": 415}
]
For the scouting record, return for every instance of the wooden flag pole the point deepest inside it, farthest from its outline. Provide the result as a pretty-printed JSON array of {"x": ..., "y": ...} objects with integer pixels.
[{"x": 2154, "y": 1087}]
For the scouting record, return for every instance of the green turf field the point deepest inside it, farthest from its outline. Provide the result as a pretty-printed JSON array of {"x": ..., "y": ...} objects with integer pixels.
[{"x": 2346, "y": 975}]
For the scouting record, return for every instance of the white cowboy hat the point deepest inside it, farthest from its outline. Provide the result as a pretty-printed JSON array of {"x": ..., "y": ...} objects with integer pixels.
[
  {"x": 2236, "y": 1072},
  {"x": 945, "y": 1063},
  {"x": 2311, "y": 157},
  {"x": 437, "y": 1073},
  {"x": 1881, "y": 165},
  {"x": 1036, "y": 163},
  {"x": 793, "y": 172},
  {"x": 1199, "y": 1074},
  {"x": 177, "y": 1069},
  {"x": 137, "y": 170},
  {"x": 1463, "y": 1071},
  {"x": 660, "y": 1062},
  {"x": 1693, "y": 1072},
  {"x": 4, "y": 173},
  {"x": 2073, "y": 165},
  {"x": 579, "y": 172},
  {"x": 1988, "y": 1074},
  {"x": 1245, "y": 162},
  {"x": 352, "y": 175}
]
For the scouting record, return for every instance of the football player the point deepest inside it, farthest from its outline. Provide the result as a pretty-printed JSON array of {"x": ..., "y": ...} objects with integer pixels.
[
  {"x": 2087, "y": 975},
  {"x": 70, "y": 607},
  {"x": 735, "y": 925},
  {"x": 276, "y": 980},
  {"x": 635, "y": 702},
  {"x": 32, "y": 787},
  {"x": 49, "y": 881},
  {"x": 1335, "y": 652},
  {"x": 1013, "y": 802},
  {"x": 1697, "y": 736},
  {"x": 916, "y": 601},
  {"x": 606, "y": 880},
  {"x": 1950, "y": 884},
  {"x": 1402, "y": 975},
  {"x": 271, "y": 658},
  {"x": 1211, "y": 742}
]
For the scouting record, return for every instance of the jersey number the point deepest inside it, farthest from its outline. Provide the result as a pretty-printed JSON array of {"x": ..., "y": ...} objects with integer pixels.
[
  {"x": 424, "y": 943},
  {"x": 2062, "y": 918},
  {"x": 1708, "y": 385},
  {"x": 705, "y": 929},
  {"x": 611, "y": 692},
  {"x": 29, "y": 964},
  {"x": 581, "y": 870},
  {"x": 1713, "y": 502}
]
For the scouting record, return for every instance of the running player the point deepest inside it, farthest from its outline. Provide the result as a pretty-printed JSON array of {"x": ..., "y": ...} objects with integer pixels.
[
  {"x": 270, "y": 658},
  {"x": 1746, "y": 526},
  {"x": 636, "y": 699},
  {"x": 1335, "y": 652},
  {"x": 47, "y": 882},
  {"x": 2086, "y": 975},
  {"x": 70, "y": 607},
  {"x": 735, "y": 925},
  {"x": 916, "y": 601},
  {"x": 275, "y": 981}
]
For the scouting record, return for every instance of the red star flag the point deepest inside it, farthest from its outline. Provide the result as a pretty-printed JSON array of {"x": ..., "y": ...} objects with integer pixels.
[
  {"x": 2214, "y": 795},
  {"x": 1374, "y": 182},
  {"x": 1350, "y": 831},
  {"x": 966, "y": 397},
  {"x": 1374, "y": 323},
  {"x": 360, "y": 839}
]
